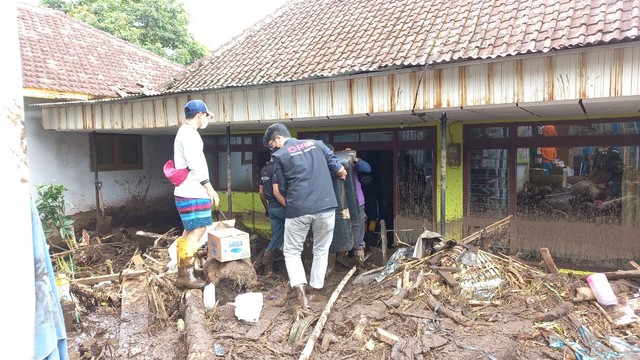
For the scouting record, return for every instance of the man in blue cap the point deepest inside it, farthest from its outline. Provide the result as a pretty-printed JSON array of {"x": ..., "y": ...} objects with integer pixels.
[
  {"x": 195, "y": 194},
  {"x": 307, "y": 167}
]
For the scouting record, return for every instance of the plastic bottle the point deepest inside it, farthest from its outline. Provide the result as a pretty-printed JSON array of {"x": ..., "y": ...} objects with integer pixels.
[
  {"x": 62, "y": 283},
  {"x": 602, "y": 289},
  {"x": 209, "y": 296}
]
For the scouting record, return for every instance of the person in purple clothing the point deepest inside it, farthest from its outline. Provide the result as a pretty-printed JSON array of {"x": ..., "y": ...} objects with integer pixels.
[{"x": 361, "y": 167}]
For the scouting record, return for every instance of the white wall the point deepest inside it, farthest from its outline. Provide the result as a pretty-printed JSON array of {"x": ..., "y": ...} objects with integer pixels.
[{"x": 64, "y": 158}]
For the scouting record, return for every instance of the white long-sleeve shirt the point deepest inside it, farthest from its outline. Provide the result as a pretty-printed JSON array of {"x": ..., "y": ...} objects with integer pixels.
[{"x": 188, "y": 152}]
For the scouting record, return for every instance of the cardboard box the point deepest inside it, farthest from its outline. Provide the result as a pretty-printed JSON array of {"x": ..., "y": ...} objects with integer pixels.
[{"x": 227, "y": 243}]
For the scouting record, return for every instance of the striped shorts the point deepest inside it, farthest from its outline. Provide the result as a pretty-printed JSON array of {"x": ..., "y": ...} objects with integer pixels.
[{"x": 194, "y": 213}]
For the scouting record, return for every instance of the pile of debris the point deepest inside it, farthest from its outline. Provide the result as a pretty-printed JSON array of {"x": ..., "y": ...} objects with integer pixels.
[{"x": 434, "y": 299}]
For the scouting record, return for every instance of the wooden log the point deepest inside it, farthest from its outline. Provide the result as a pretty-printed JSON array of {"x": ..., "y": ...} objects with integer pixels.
[
  {"x": 556, "y": 313},
  {"x": 436, "y": 305},
  {"x": 489, "y": 229},
  {"x": 623, "y": 274},
  {"x": 308, "y": 348},
  {"x": 199, "y": 338},
  {"x": 396, "y": 300},
  {"x": 548, "y": 261},
  {"x": 383, "y": 239},
  {"x": 386, "y": 336}
]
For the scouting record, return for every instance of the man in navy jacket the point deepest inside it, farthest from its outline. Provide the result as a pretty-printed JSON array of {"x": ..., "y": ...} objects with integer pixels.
[{"x": 307, "y": 167}]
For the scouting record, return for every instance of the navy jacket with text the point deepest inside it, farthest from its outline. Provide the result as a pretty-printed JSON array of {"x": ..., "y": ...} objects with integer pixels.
[{"x": 307, "y": 167}]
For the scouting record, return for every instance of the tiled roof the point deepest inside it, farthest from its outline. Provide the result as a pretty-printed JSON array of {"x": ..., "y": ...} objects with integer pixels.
[
  {"x": 308, "y": 39},
  {"x": 65, "y": 55}
]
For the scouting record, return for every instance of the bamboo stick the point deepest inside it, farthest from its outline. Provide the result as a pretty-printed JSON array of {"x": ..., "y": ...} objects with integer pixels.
[{"x": 308, "y": 349}]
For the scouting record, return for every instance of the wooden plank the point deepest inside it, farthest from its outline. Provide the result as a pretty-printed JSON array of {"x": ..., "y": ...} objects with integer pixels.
[
  {"x": 451, "y": 269},
  {"x": 448, "y": 278},
  {"x": 623, "y": 274},
  {"x": 548, "y": 261},
  {"x": 126, "y": 274}
]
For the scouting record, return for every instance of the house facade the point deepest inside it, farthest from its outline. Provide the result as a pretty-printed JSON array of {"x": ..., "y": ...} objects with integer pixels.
[
  {"x": 65, "y": 60},
  {"x": 456, "y": 105}
]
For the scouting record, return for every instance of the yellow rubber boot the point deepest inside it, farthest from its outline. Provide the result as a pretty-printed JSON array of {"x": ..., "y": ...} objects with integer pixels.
[{"x": 186, "y": 265}]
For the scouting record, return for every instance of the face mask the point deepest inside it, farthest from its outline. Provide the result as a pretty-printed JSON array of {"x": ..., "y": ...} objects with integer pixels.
[{"x": 204, "y": 122}]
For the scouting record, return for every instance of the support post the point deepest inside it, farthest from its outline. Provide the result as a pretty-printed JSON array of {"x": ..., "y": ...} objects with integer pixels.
[
  {"x": 443, "y": 172},
  {"x": 229, "y": 205}
]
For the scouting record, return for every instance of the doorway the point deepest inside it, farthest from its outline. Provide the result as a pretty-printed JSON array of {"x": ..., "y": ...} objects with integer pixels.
[{"x": 378, "y": 188}]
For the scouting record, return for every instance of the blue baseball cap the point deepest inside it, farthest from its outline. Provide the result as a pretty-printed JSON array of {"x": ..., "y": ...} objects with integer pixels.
[{"x": 194, "y": 107}]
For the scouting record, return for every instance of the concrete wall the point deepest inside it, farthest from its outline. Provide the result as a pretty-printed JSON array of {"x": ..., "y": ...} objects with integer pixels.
[{"x": 63, "y": 158}]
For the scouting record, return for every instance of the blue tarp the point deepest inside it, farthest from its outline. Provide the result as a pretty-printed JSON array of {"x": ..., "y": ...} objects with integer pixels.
[{"x": 50, "y": 333}]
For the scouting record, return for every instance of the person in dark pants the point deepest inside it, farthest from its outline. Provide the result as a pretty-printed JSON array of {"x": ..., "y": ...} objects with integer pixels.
[
  {"x": 271, "y": 190},
  {"x": 361, "y": 167},
  {"x": 307, "y": 167}
]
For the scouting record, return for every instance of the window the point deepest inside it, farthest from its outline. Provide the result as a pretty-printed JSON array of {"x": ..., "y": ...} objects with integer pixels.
[
  {"x": 491, "y": 132},
  {"x": 489, "y": 182},
  {"x": 363, "y": 137},
  {"x": 587, "y": 129},
  {"x": 241, "y": 172},
  {"x": 415, "y": 135},
  {"x": 116, "y": 152},
  {"x": 247, "y": 157},
  {"x": 589, "y": 184}
]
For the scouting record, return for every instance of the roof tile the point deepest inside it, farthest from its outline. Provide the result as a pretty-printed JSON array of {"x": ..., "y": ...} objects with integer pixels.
[
  {"x": 62, "y": 54},
  {"x": 323, "y": 38}
]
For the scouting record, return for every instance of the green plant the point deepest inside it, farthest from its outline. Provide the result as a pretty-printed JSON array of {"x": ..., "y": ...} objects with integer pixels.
[{"x": 51, "y": 206}]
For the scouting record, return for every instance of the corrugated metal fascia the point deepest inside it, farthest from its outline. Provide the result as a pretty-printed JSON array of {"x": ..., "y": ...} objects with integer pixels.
[{"x": 599, "y": 73}]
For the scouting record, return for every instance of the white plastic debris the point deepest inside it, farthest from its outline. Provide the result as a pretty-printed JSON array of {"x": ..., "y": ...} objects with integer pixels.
[{"x": 249, "y": 306}]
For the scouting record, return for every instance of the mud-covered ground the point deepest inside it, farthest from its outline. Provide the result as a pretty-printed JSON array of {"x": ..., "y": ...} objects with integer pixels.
[{"x": 433, "y": 321}]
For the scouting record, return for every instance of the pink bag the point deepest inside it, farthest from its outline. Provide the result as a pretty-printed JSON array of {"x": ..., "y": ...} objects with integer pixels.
[{"x": 176, "y": 176}]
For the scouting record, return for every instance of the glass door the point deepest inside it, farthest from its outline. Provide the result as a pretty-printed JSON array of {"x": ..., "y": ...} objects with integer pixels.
[{"x": 414, "y": 197}]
